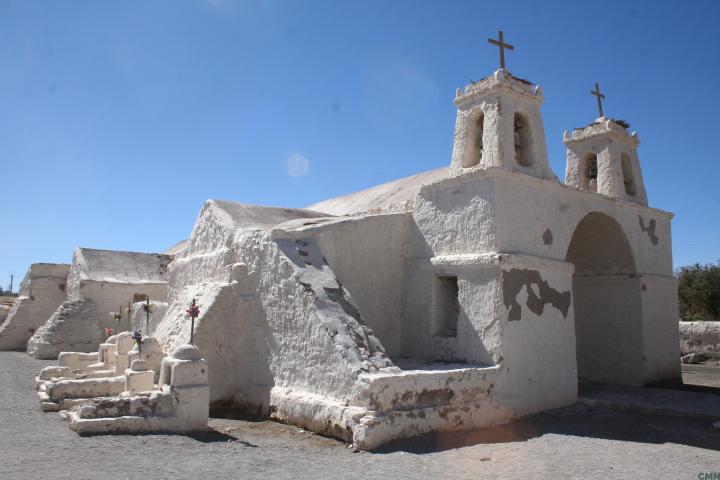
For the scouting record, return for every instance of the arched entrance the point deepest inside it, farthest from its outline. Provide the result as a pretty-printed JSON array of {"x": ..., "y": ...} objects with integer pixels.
[{"x": 606, "y": 301}]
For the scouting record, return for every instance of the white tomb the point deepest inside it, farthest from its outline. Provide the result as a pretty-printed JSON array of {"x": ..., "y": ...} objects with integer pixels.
[{"x": 179, "y": 404}]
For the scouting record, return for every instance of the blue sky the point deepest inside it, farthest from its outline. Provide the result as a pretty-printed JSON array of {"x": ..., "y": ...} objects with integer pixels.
[{"x": 118, "y": 119}]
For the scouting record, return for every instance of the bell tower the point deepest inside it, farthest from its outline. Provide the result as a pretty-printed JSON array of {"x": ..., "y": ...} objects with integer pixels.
[
  {"x": 498, "y": 124},
  {"x": 602, "y": 158}
]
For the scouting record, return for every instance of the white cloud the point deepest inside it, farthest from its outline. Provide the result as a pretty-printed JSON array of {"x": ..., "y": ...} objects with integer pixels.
[{"x": 297, "y": 165}]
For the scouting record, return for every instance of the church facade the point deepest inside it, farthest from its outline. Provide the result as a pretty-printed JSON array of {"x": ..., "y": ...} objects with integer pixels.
[
  {"x": 454, "y": 299},
  {"x": 450, "y": 300}
]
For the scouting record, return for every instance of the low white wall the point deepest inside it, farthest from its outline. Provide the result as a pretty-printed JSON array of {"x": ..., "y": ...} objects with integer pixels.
[
  {"x": 14, "y": 332},
  {"x": 700, "y": 337}
]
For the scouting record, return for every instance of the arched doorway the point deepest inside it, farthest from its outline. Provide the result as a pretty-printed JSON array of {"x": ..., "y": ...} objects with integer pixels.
[{"x": 606, "y": 301}]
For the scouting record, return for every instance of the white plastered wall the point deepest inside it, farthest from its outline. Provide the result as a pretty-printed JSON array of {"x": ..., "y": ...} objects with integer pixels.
[
  {"x": 41, "y": 292},
  {"x": 487, "y": 220},
  {"x": 271, "y": 323},
  {"x": 366, "y": 252},
  {"x": 538, "y": 218}
]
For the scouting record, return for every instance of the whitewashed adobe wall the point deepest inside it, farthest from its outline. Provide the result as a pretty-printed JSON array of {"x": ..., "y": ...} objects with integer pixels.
[
  {"x": 99, "y": 282},
  {"x": 71, "y": 328},
  {"x": 41, "y": 291},
  {"x": 110, "y": 279},
  {"x": 366, "y": 254},
  {"x": 261, "y": 322},
  {"x": 139, "y": 319}
]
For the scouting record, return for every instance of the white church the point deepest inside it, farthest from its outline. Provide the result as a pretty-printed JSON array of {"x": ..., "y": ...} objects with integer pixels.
[{"x": 453, "y": 299}]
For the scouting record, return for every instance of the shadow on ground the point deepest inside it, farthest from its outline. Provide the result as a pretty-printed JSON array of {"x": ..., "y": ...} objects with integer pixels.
[
  {"x": 576, "y": 420},
  {"x": 210, "y": 436}
]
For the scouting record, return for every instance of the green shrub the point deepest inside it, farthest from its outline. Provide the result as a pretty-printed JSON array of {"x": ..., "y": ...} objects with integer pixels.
[{"x": 699, "y": 291}]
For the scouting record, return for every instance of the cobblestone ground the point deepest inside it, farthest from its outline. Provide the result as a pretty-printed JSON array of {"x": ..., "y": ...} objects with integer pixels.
[{"x": 575, "y": 442}]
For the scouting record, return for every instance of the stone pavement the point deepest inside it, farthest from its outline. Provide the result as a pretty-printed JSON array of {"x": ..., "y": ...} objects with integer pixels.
[{"x": 577, "y": 442}]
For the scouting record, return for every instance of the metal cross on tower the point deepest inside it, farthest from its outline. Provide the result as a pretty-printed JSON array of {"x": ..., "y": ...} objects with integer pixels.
[
  {"x": 502, "y": 46},
  {"x": 599, "y": 96}
]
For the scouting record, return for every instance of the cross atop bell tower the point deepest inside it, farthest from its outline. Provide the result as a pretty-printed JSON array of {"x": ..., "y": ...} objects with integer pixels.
[
  {"x": 498, "y": 124},
  {"x": 502, "y": 46},
  {"x": 600, "y": 98}
]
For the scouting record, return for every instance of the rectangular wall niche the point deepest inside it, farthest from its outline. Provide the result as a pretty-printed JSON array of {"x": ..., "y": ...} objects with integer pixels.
[{"x": 446, "y": 306}]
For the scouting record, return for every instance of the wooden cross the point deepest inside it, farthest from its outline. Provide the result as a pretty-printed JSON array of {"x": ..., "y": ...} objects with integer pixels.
[
  {"x": 599, "y": 96},
  {"x": 502, "y": 46}
]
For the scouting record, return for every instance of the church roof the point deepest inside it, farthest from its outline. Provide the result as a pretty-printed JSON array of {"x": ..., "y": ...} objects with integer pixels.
[
  {"x": 240, "y": 215},
  {"x": 177, "y": 248},
  {"x": 121, "y": 267},
  {"x": 381, "y": 197}
]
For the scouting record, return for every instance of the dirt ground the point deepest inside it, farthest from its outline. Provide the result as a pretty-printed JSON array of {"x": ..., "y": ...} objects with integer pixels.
[{"x": 575, "y": 442}]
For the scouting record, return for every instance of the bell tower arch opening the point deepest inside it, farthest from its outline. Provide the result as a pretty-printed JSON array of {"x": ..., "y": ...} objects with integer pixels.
[
  {"x": 606, "y": 302},
  {"x": 522, "y": 139},
  {"x": 627, "y": 172},
  {"x": 474, "y": 155},
  {"x": 589, "y": 173}
]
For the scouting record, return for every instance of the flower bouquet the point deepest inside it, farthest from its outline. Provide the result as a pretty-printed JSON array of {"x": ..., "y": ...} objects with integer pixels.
[{"x": 137, "y": 337}]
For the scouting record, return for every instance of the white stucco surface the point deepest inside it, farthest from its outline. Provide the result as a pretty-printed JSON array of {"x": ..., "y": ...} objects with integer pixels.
[
  {"x": 41, "y": 292},
  {"x": 99, "y": 282},
  {"x": 73, "y": 327},
  {"x": 178, "y": 404},
  {"x": 140, "y": 318}
]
